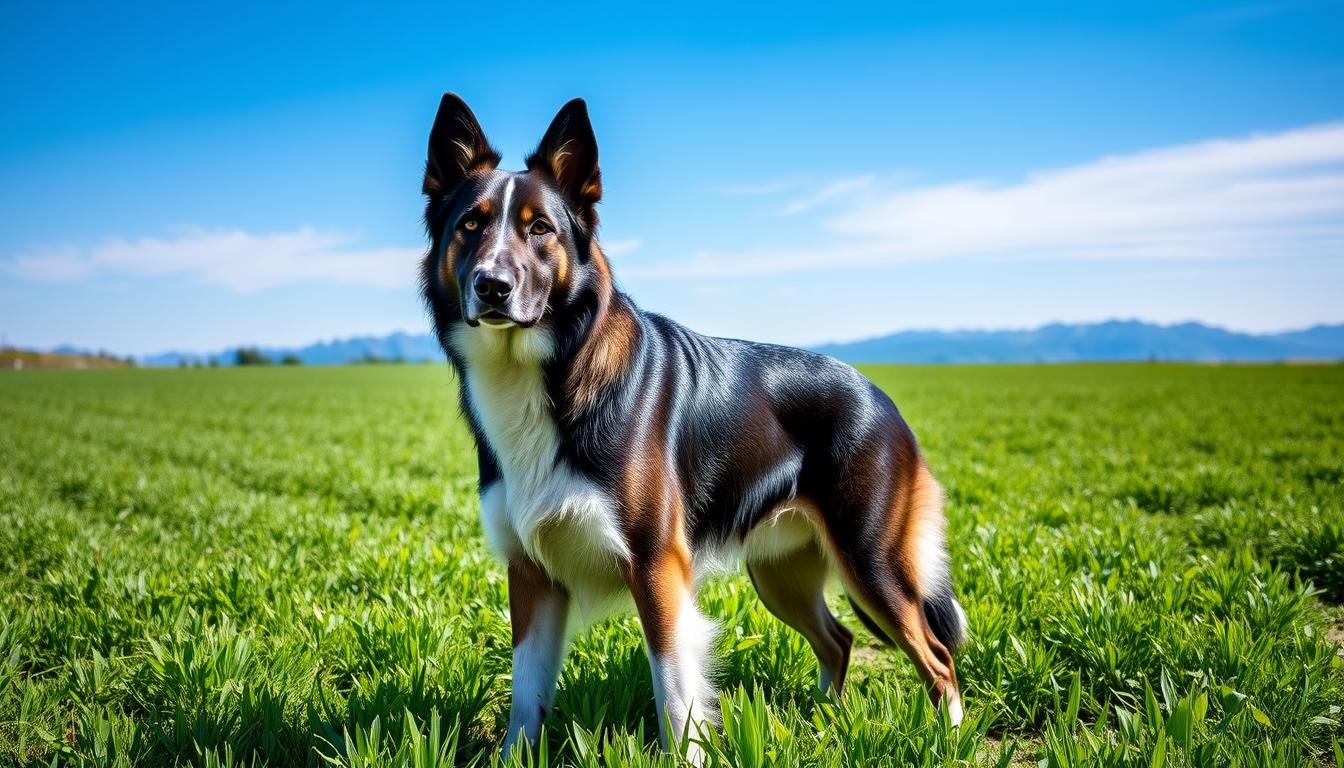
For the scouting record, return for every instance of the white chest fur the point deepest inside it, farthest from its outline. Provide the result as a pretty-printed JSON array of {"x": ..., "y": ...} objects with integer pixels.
[{"x": 540, "y": 508}]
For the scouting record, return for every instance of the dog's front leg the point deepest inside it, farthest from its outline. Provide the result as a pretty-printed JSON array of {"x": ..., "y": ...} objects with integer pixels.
[
  {"x": 539, "y": 612},
  {"x": 678, "y": 640}
]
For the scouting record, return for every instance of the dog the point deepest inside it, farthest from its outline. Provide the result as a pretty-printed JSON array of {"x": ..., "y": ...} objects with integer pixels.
[{"x": 620, "y": 453}]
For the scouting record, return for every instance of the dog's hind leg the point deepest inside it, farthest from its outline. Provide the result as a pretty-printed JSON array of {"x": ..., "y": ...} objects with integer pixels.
[
  {"x": 901, "y": 584},
  {"x": 792, "y": 587},
  {"x": 901, "y": 616}
]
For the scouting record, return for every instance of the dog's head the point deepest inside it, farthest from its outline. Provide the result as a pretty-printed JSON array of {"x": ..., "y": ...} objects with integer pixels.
[{"x": 509, "y": 247}]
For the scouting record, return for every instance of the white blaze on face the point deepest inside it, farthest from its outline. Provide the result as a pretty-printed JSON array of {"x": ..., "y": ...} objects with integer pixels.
[
  {"x": 505, "y": 222},
  {"x": 499, "y": 248}
]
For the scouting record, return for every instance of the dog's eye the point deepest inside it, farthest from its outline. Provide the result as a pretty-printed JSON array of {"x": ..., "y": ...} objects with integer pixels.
[
  {"x": 470, "y": 225},
  {"x": 539, "y": 227}
]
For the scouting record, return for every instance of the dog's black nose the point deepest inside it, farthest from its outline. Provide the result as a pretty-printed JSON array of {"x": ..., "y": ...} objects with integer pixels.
[{"x": 492, "y": 288}]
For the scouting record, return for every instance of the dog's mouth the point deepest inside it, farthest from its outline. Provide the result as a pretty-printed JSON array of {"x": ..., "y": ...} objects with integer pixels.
[
  {"x": 495, "y": 319},
  {"x": 479, "y": 314}
]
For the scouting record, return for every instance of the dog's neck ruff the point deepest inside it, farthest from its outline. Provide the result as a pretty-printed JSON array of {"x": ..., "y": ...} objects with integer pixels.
[
  {"x": 539, "y": 507},
  {"x": 506, "y": 391}
]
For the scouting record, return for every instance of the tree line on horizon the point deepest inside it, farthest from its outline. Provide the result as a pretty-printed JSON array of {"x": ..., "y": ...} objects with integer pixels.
[{"x": 254, "y": 356}]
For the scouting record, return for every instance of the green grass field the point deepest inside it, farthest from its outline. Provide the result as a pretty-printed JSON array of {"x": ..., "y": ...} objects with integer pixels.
[{"x": 284, "y": 567}]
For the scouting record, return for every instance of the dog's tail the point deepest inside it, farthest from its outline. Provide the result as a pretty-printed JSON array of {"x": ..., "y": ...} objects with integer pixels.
[
  {"x": 946, "y": 619},
  {"x": 926, "y": 553}
]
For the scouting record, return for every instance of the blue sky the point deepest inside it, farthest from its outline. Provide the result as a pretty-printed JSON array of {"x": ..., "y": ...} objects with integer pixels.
[{"x": 184, "y": 177}]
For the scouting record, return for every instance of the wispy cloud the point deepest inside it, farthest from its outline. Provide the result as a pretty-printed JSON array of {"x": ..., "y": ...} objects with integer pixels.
[
  {"x": 235, "y": 259},
  {"x": 1267, "y": 196},
  {"x": 836, "y": 189},
  {"x": 242, "y": 261},
  {"x": 621, "y": 247},
  {"x": 1257, "y": 196}
]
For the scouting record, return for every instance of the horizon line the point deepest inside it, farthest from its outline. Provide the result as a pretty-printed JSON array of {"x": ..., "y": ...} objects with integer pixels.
[{"x": 205, "y": 354}]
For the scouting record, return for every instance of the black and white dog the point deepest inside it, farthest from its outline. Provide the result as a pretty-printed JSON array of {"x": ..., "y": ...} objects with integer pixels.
[{"x": 620, "y": 452}]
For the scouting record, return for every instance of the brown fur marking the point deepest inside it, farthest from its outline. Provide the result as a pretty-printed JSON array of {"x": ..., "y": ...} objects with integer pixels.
[
  {"x": 448, "y": 264},
  {"x": 661, "y": 589},
  {"x": 527, "y": 583},
  {"x": 659, "y": 574},
  {"x": 931, "y": 659},
  {"x": 606, "y": 353},
  {"x": 561, "y": 256}
]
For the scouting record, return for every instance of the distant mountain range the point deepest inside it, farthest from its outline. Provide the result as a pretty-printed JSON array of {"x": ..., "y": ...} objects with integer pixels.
[
  {"x": 1054, "y": 343},
  {"x": 408, "y": 347},
  {"x": 1111, "y": 340}
]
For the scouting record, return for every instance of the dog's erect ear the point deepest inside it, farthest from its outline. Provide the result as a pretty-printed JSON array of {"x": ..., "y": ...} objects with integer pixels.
[
  {"x": 568, "y": 154},
  {"x": 457, "y": 147}
]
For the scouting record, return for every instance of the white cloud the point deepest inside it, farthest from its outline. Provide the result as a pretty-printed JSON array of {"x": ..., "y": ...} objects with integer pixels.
[
  {"x": 621, "y": 247},
  {"x": 54, "y": 265},
  {"x": 235, "y": 259},
  {"x": 240, "y": 260},
  {"x": 1266, "y": 196},
  {"x": 836, "y": 189}
]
